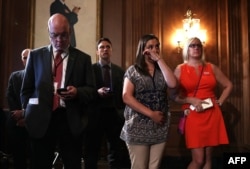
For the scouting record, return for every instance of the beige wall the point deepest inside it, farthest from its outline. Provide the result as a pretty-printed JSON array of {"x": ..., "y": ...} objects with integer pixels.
[{"x": 85, "y": 29}]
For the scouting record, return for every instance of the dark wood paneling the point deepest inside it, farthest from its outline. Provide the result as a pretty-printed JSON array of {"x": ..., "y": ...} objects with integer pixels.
[
  {"x": 114, "y": 29},
  {"x": 239, "y": 67},
  {"x": 16, "y": 33},
  {"x": 138, "y": 20}
]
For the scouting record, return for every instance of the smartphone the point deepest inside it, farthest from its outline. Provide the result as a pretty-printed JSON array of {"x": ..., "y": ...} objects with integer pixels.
[
  {"x": 107, "y": 89},
  {"x": 208, "y": 104},
  {"x": 60, "y": 90}
]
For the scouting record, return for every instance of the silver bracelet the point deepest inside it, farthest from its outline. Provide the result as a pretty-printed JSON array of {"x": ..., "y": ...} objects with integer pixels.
[{"x": 219, "y": 103}]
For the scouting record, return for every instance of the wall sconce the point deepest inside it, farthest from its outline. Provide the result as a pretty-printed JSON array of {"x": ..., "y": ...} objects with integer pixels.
[{"x": 191, "y": 28}]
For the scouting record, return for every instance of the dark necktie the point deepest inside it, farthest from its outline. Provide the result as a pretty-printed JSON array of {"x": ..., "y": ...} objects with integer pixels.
[
  {"x": 58, "y": 67},
  {"x": 106, "y": 76}
]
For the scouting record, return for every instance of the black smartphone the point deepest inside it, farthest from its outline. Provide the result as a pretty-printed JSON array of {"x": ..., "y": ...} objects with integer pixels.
[
  {"x": 60, "y": 90},
  {"x": 108, "y": 90}
]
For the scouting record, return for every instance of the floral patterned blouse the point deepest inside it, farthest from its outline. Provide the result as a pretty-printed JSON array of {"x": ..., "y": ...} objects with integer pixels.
[{"x": 152, "y": 92}]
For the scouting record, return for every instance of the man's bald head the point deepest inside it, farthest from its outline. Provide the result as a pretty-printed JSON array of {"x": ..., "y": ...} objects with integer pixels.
[
  {"x": 58, "y": 20},
  {"x": 59, "y": 31},
  {"x": 24, "y": 55}
]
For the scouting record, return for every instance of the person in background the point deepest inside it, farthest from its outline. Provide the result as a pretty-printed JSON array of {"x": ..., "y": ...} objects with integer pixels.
[
  {"x": 147, "y": 117},
  {"x": 107, "y": 117},
  {"x": 4, "y": 152},
  {"x": 18, "y": 136},
  {"x": 204, "y": 128},
  {"x": 59, "y": 6},
  {"x": 57, "y": 88},
  {"x": 2, "y": 131}
]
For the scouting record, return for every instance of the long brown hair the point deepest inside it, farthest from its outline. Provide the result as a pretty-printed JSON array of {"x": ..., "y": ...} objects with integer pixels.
[{"x": 140, "y": 63}]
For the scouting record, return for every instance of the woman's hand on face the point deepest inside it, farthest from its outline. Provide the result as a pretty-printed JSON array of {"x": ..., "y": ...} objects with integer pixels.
[{"x": 152, "y": 55}]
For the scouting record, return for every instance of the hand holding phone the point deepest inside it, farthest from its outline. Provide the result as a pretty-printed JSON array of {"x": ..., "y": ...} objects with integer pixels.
[
  {"x": 106, "y": 89},
  {"x": 60, "y": 90},
  {"x": 208, "y": 103}
]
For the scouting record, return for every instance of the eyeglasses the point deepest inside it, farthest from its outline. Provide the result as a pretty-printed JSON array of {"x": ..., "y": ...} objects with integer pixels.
[
  {"x": 62, "y": 36},
  {"x": 195, "y": 45}
]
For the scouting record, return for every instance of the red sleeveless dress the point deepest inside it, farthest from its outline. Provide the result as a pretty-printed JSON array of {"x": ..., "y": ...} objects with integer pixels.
[{"x": 205, "y": 128}]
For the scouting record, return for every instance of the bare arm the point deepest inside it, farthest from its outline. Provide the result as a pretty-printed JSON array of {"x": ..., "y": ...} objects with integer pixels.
[
  {"x": 224, "y": 82},
  {"x": 175, "y": 91},
  {"x": 167, "y": 73},
  {"x": 165, "y": 69}
]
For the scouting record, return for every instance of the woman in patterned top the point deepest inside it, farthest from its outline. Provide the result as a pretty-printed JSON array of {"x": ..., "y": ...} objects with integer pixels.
[{"x": 146, "y": 114}]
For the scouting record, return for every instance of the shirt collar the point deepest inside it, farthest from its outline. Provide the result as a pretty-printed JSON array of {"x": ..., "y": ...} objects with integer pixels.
[
  {"x": 109, "y": 64},
  {"x": 64, "y": 53}
]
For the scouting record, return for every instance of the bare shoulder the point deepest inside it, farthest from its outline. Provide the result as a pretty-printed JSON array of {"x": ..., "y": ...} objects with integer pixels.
[
  {"x": 214, "y": 68},
  {"x": 177, "y": 70}
]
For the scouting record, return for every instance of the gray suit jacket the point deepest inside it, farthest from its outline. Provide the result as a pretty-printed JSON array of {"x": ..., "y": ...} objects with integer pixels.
[{"x": 38, "y": 84}]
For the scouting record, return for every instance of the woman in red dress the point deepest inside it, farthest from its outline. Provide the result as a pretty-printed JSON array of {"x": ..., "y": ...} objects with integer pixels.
[{"x": 204, "y": 127}]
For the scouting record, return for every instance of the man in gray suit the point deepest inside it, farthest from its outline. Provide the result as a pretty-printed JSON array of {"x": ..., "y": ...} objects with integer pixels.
[{"x": 48, "y": 126}]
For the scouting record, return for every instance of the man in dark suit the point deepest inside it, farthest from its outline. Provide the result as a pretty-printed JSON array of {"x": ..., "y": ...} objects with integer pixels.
[
  {"x": 107, "y": 116},
  {"x": 57, "y": 119},
  {"x": 17, "y": 134},
  {"x": 59, "y": 6}
]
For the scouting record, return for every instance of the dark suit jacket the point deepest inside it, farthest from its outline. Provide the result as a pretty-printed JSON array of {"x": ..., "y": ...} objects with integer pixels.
[
  {"x": 117, "y": 74},
  {"x": 38, "y": 84},
  {"x": 58, "y": 7},
  {"x": 13, "y": 90}
]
